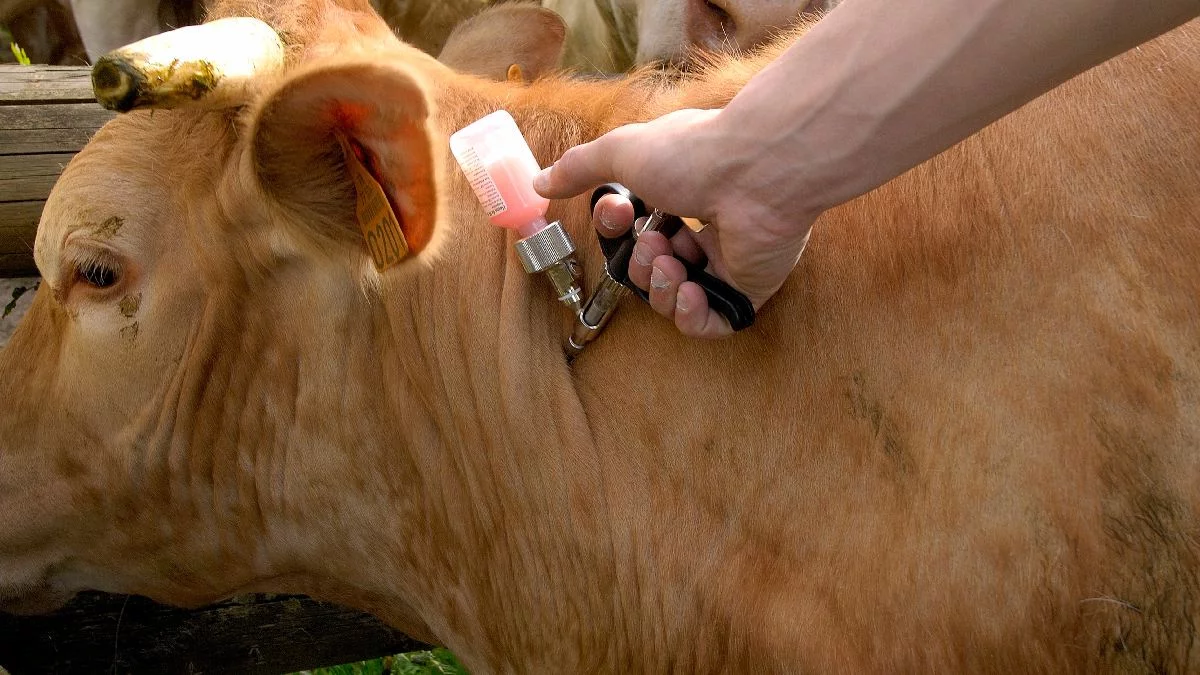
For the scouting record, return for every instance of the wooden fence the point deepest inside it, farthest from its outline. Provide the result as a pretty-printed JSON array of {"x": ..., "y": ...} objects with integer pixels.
[
  {"x": 98, "y": 633},
  {"x": 47, "y": 114}
]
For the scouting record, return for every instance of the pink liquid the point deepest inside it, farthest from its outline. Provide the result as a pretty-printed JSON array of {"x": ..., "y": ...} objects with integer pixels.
[{"x": 526, "y": 212}]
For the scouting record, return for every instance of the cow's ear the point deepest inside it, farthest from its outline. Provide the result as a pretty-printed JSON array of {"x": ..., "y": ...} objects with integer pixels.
[
  {"x": 333, "y": 138},
  {"x": 507, "y": 42}
]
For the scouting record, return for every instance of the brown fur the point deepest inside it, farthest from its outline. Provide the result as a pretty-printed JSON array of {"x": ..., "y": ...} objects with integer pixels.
[{"x": 963, "y": 438}]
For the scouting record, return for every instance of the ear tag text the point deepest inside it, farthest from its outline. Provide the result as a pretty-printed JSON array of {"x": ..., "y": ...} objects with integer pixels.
[{"x": 378, "y": 222}]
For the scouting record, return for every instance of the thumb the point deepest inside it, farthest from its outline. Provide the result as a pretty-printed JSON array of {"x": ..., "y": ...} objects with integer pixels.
[{"x": 579, "y": 169}]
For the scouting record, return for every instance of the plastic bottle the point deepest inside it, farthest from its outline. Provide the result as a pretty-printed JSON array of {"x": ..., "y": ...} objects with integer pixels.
[{"x": 500, "y": 168}]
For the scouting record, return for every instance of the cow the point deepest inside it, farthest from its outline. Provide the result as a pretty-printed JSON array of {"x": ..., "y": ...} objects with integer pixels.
[
  {"x": 463, "y": 35},
  {"x": 104, "y": 25},
  {"x": 510, "y": 41},
  {"x": 613, "y": 36},
  {"x": 606, "y": 36},
  {"x": 44, "y": 29},
  {"x": 962, "y": 438},
  {"x": 70, "y": 32}
]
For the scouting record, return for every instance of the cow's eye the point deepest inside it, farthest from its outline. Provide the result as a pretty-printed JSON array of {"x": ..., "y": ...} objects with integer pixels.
[
  {"x": 98, "y": 274},
  {"x": 718, "y": 12}
]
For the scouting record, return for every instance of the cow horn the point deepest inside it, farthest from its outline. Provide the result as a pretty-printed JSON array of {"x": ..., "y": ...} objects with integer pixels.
[{"x": 171, "y": 69}]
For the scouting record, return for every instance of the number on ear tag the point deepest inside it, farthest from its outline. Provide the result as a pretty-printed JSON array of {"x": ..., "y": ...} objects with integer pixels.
[{"x": 380, "y": 227}]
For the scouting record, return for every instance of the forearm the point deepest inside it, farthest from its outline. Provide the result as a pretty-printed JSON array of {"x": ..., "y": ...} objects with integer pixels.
[{"x": 879, "y": 86}]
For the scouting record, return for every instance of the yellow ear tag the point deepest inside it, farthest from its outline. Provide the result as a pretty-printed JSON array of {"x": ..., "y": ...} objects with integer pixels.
[{"x": 380, "y": 227}]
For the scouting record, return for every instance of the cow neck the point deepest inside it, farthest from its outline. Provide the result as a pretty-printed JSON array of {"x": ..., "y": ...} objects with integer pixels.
[
  {"x": 496, "y": 446},
  {"x": 524, "y": 471}
]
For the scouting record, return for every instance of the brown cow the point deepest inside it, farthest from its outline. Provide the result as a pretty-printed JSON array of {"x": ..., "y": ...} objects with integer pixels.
[
  {"x": 44, "y": 29},
  {"x": 963, "y": 438}
]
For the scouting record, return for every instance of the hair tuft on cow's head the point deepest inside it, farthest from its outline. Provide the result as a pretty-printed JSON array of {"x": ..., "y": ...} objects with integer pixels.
[{"x": 305, "y": 24}]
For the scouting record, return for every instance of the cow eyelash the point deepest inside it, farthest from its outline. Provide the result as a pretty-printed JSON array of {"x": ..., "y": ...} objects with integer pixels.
[{"x": 98, "y": 271}]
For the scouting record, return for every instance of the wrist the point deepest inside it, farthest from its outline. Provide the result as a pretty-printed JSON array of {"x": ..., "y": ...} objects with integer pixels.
[{"x": 762, "y": 172}]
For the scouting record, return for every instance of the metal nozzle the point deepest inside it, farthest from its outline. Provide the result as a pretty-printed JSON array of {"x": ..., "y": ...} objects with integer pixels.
[
  {"x": 565, "y": 277},
  {"x": 551, "y": 250},
  {"x": 594, "y": 315}
]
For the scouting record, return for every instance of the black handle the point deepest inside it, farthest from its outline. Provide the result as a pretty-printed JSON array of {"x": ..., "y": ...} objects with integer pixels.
[
  {"x": 725, "y": 299},
  {"x": 639, "y": 207},
  {"x": 611, "y": 245}
]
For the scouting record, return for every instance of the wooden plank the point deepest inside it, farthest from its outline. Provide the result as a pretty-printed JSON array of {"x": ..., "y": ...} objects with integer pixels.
[
  {"x": 98, "y": 633},
  {"x": 18, "y": 228},
  {"x": 16, "y": 265},
  {"x": 44, "y": 140},
  {"x": 18, "y": 222},
  {"x": 47, "y": 114},
  {"x": 25, "y": 166},
  {"x": 32, "y": 84},
  {"x": 25, "y": 181},
  {"x": 30, "y": 177},
  {"x": 26, "y": 188},
  {"x": 17, "y": 244},
  {"x": 54, "y": 116},
  {"x": 26, "y": 129}
]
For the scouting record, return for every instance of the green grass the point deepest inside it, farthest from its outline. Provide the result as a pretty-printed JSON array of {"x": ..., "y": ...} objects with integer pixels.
[
  {"x": 436, "y": 662},
  {"x": 22, "y": 57}
]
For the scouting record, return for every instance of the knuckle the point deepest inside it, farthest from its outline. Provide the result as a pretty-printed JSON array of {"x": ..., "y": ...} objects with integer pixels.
[
  {"x": 717, "y": 327},
  {"x": 663, "y": 302},
  {"x": 566, "y": 163},
  {"x": 689, "y": 329}
]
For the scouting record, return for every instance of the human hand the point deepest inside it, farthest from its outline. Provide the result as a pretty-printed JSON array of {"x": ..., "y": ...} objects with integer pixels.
[{"x": 688, "y": 163}]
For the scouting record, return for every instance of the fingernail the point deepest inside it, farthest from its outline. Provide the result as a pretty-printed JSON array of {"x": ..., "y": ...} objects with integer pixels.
[
  {"x": 542, "y": 180},
  {"x": 658, "y": 279},
  {"x": 680, "y": 303},
  {"x": 607, "y": 224},
  {"x": 642, "y": 255}
]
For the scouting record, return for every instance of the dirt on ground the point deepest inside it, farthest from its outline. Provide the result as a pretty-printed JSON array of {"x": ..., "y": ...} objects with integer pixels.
[{"x": 19, "y": 300}]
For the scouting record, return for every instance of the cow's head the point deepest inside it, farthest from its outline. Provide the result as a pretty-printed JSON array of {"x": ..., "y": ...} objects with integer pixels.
[
  {"x": 615, "y": 35},
  {"x": 212, "y": 332},
  {"x": 669, "y": 29}
]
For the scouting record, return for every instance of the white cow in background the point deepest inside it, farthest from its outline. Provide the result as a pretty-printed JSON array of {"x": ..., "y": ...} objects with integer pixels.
[
  {"x": 606, "y": 36},
  {"x": 615, "y": 35},
  {"x": 105, "y": 25}
]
